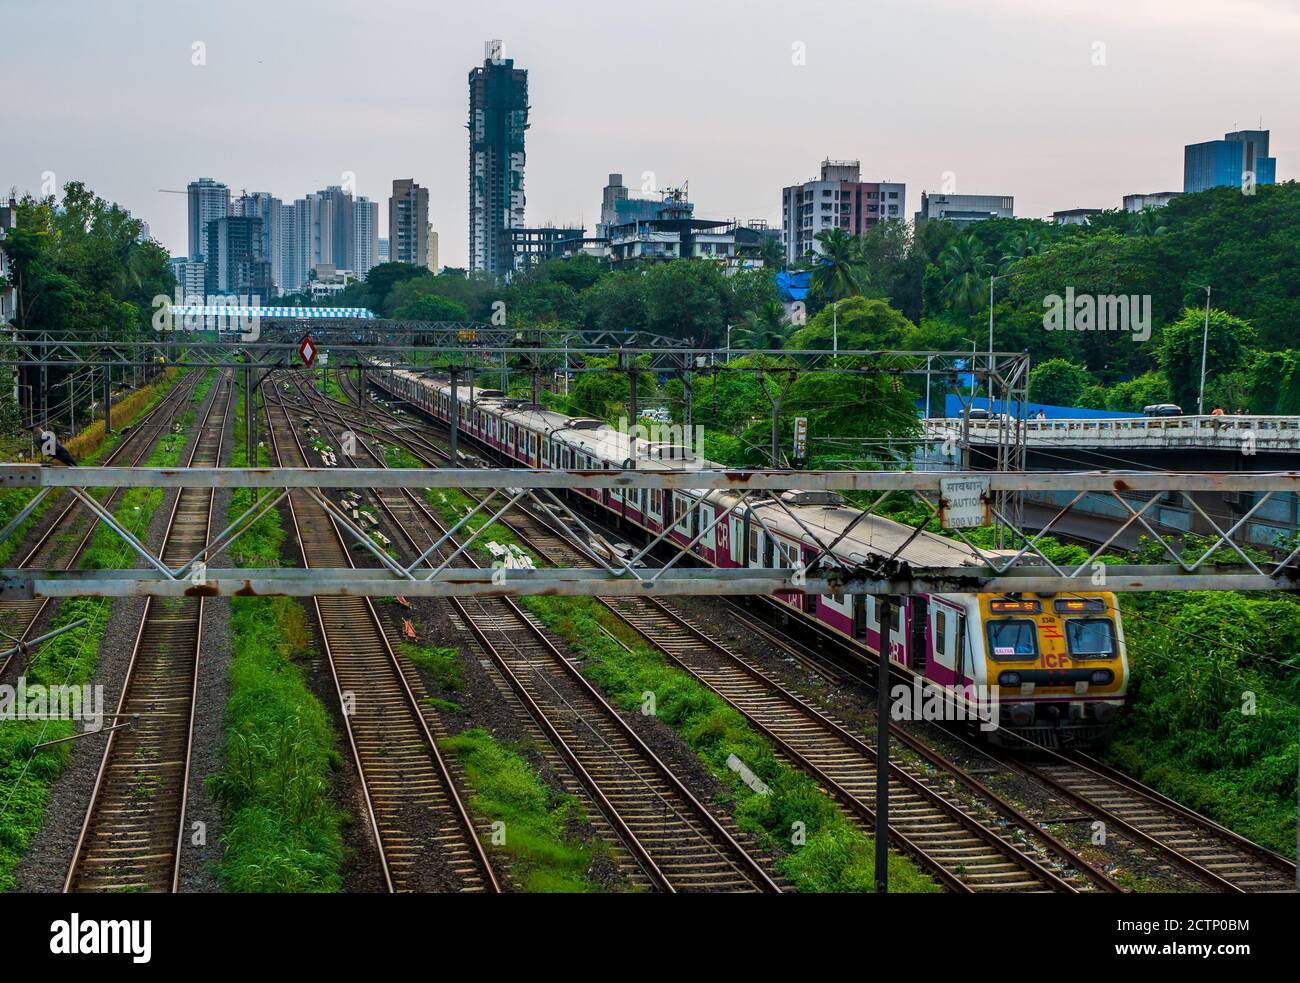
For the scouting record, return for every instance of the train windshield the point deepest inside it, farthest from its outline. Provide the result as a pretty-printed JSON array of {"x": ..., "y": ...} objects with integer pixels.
[
  {"x": 1014, "y": 639},
  {"x": 1090, "y": 638}
]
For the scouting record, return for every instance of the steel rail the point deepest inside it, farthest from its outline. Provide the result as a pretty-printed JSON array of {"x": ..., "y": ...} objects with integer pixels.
[
  {"x": 125, "y": 840},
  {"x": 398, "y": 848},
  {"x": 24, "y": 615},
  {"x": 760, "y": 713},
  {"x": 668, "y": 873}
]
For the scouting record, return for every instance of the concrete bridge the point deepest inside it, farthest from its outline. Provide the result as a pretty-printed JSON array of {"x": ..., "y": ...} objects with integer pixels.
[{"x": 1232, "y": 434}]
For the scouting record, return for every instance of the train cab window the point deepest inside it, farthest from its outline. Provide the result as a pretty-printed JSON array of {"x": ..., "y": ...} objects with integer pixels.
[
  {"x": 1016, "y": 638},
  {"x": 1090, "y": 638}
]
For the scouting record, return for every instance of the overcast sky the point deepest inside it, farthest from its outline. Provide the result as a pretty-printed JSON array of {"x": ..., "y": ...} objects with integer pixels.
[{"x": 1062, "y": 103}]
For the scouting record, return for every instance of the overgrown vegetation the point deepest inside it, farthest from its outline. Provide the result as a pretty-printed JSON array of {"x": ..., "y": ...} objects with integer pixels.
[
  {"x": 283, "y": 831},
  {"x": 89, "y": 447},
  {"x": 26, "y": 775},
  {"x": 540, "y": 826}
]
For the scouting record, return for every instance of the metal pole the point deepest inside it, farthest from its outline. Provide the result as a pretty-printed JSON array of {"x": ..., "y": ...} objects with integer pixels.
[
  {"x": 250, "y": 444},
  {"x": 452, "y": 413},
  {"x": 989, "y": 367},
  {"x": 1205, "y": 341},
  {"x": 108, "y": 401},
  {"x": 882, "y": 747},
  {"x": 688, "y": 409},
  {"x": 632, "y": 409},
  {"x": 927, "y": 385}
]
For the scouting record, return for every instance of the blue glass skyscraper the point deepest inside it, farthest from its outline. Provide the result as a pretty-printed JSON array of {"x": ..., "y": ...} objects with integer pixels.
[{"x": 1226, "y": 162}]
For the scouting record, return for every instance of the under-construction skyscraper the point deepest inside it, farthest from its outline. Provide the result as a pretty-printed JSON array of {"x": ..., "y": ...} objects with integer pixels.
[{"x": 498, "y": 117}]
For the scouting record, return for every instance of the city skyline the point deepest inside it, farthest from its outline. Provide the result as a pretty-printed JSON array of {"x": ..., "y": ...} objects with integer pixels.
[{"x": 740, "y": 121}]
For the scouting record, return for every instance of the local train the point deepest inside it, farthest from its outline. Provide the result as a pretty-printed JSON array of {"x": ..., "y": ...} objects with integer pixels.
[{"x": 1053, "y": 668}]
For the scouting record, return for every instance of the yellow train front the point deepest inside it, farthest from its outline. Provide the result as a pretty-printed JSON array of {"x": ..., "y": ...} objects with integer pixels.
[{"x": 1055, "y": 664}]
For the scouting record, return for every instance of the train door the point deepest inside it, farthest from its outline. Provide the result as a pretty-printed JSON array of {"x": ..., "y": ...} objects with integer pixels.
[
  {"x": 859, "y": 615},
  {"x": 809, "y": 600},
  {"x": 920, "y": 620}
]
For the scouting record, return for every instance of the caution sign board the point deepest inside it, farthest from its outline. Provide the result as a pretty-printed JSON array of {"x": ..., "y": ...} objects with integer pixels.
[
  {"x": 800, "y": 437},
  {"x": 964, "y": 503}
]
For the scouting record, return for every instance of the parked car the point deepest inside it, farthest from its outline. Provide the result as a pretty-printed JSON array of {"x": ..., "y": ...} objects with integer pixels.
[{"x": 1162, "y": 409}]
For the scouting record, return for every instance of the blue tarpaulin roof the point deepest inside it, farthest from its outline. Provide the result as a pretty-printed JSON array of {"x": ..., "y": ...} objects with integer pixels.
[{"x": 793, "y": 284}]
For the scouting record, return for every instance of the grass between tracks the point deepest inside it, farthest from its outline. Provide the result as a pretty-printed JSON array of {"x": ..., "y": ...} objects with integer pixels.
[
  {"x": 70, "y": 659},
  {"x": 537, "y": 824},
  {"x": 89, "y": 447},
  {"x": 819, "y": 849},
  {"x": 283, "y": 831}
]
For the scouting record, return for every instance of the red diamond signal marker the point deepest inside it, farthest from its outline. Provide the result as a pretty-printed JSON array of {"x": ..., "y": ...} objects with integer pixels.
[{"x": 307, "y": 350}]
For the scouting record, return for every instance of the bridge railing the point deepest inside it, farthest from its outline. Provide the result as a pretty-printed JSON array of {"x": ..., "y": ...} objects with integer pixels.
[{"x": 1208, "y": 426}]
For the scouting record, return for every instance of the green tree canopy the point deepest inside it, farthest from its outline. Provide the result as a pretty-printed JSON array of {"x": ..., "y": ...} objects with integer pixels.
[
  {"x": 1058, "y": 382},
  {"x": 1229, "y": 338}
]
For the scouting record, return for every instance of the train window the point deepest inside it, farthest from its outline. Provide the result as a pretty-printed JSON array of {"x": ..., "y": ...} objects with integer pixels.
[
  {"x": 940, "y": 632},
  {"x": 753, "y": 546},
  {"x": 1090, "y": 638},
  {"x": 1013, "y": 639}
]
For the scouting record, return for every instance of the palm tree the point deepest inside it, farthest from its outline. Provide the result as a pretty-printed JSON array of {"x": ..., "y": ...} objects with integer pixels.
[
  {"x": 1019, "y": 246},
  {"x": 839, "y": 271},
  {"x": 966, "y": 270},
  {"x": 772, "y": 253},
  {"x": 765, "y": 328},
  {"x": 1148, "y": 222}
]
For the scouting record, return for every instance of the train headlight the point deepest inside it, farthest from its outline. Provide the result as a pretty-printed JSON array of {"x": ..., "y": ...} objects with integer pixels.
[{"x": 1101, "y": 677}]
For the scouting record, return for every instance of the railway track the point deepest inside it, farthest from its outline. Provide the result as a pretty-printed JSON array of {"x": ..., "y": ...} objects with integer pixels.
[
  {"x": 1222, "y": 859},
  {"x": 970, "y": 839},
  {"x": 420, "y": 825},
  {"x": 1214, "y": 856},
  {"x": 677, "y": 841},
  {"x": 132, "y": 835},
  {"x": 67, "y": 536}
]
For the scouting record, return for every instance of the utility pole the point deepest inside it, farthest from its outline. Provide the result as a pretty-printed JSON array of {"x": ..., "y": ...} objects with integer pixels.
[
  {"x": 882, "y": 746},
  {"x": 1205, "y": 344},
  {"x": 688, "y": 410},
  {"x": 453, "y": 413},
  {"x": 632, "y": 379},
  {"x": 108, "y": 401},
  {"x": 776, "y": 414},
  {"x": 250, "y": 441}
]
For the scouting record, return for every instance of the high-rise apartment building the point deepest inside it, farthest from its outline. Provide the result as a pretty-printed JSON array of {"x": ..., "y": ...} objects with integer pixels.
[
  {"x": 839, "y": 198},
  {"x": 327, "y": 228},
  {"x": 498, "y": 119},
  {"x": 408, "y": 223},
  {"x": 208, "y": 199},
  {"x": 433, "y": 249},
  {"x": 8, "y": 293},
  {"x": 235, "y": 263},
  {"x": 191, "y": 278},
  {"x": 1239, "y": 159},
  {"x": 266, "y": 207},
  {"x": 365, "y": 235}
]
